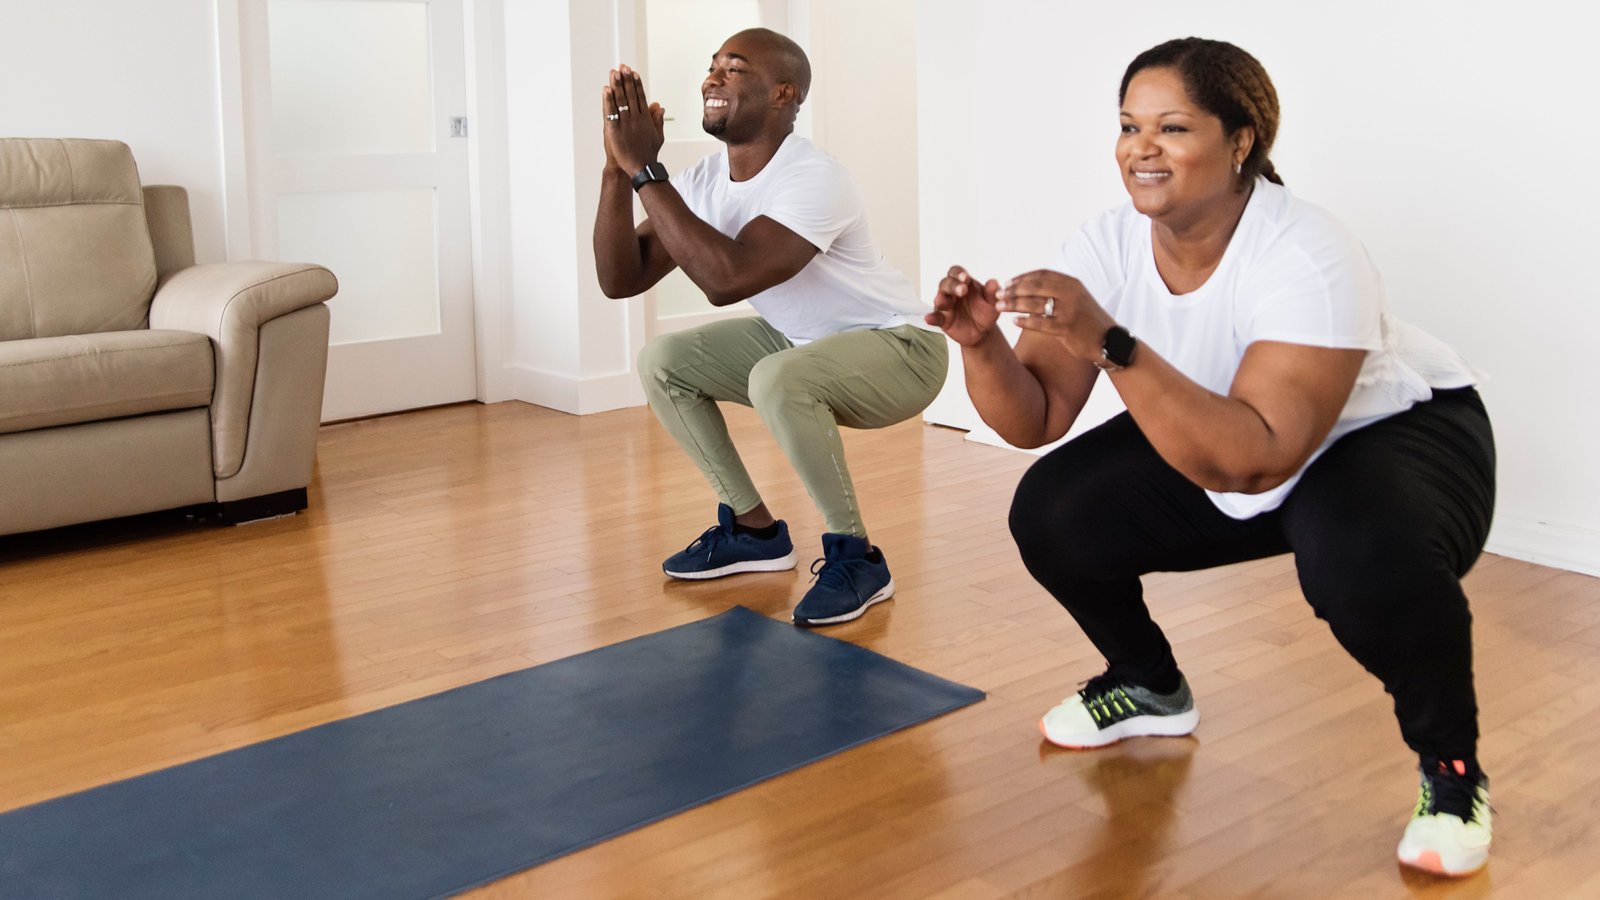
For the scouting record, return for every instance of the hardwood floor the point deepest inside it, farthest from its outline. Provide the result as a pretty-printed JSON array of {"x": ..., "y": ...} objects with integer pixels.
[{"x": 449, "y": 545}]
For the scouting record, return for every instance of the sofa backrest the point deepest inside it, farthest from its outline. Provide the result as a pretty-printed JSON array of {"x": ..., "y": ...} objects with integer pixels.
[{"x": 75, "y": 252}]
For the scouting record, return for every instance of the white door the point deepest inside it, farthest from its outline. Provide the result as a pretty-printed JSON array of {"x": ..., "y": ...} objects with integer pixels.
[
  {"x": 358, "y": 160},
  {"x": 679, "y": 38}
]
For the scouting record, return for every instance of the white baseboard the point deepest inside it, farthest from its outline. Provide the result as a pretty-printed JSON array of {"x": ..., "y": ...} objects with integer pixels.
[
  {"x": 1563, "y": 546},
  {"x": 578, "y": 396}
]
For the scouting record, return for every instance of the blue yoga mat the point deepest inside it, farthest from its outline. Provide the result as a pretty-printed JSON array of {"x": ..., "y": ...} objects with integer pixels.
[{"x": 448, "y": 792}]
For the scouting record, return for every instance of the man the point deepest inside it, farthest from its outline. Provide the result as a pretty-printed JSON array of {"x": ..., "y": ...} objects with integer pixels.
[{"x": 839, "y": 340}]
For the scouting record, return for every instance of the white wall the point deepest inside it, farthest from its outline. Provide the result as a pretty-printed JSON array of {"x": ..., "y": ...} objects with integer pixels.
[
  {"x": 864, "y": 87},
  {"x": 1449, "y": 135},
  {"x": 572, "y": 348},
  {"x": 144, "y": 73}
]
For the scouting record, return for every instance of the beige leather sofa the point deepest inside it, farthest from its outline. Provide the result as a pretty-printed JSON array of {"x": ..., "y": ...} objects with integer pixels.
[{"x": 131, "y": 379}]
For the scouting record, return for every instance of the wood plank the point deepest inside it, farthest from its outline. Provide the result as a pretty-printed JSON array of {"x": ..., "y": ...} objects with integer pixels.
[{"x": 449, "y": 545}]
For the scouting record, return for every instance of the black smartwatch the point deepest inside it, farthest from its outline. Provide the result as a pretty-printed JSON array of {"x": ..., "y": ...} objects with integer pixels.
[
  {"x": 1116, "y": 350},
  {"x": 651, "y": 172}
]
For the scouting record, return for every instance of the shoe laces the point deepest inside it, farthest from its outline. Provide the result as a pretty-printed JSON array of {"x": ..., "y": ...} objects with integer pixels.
[
  {"x": 1106, "y": 698},
  {"x": 1447, "y": 788},
  {"x": 832, "y": 573},
  {"x": 709, "y": 538}
]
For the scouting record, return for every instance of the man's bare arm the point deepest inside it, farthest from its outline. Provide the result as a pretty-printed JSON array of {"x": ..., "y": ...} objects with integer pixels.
[
  {"x": 628, "y": 260},
  {"x": 762, "y": 255}
]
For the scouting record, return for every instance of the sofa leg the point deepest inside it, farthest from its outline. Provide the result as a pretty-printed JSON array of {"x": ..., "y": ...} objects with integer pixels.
[{"x": 269, "y": 506}]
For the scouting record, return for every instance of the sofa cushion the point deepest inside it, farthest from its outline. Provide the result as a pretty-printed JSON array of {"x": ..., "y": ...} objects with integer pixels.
[
  {"x": 75, "y": 251},
  {"x": 85, "y": 378}
]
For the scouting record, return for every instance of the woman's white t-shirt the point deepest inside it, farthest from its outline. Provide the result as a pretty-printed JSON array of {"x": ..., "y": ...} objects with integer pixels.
[
  {"x": 1291, "y": 273},
  {"x": 848, "y": 285}
]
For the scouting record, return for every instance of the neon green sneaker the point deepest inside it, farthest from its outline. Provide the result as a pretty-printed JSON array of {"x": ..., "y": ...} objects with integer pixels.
[
  {"x": 1106, "y": 711},
  {"x": 1451, "y": 826}
]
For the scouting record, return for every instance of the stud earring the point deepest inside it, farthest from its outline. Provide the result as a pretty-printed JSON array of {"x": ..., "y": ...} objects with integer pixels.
[{"x": 1238, "y": 168}]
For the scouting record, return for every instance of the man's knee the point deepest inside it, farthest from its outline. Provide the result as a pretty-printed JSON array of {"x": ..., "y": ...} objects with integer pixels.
[
  {"x": 663, "y": 355},
  {"x": 777, "y": 376}
]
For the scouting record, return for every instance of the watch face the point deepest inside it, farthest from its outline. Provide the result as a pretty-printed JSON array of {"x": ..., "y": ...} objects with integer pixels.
[
  {"x": 1118, "y": 346},
  {"x": 655, "y": 171}
]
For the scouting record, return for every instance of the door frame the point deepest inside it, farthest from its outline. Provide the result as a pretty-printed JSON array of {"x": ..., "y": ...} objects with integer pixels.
[{"x": 487, "y": 174}]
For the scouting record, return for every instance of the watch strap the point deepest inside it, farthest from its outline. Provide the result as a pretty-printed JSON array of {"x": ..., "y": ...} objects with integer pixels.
[{"x": 651, "y": 172}]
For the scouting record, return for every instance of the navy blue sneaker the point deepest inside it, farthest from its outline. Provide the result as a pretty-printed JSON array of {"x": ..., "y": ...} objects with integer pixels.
[
  {"x": 722, "y": 551},
  {"x": 851, "y": 576}
]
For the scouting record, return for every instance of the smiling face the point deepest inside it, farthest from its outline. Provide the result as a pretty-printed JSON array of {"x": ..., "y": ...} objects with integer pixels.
[
  {"x": 737, "y": 91},
  {"x": 1175, "y": 158}
]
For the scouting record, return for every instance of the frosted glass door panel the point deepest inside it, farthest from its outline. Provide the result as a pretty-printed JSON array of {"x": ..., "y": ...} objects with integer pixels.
[
  {"x": 382, "y": 246},
  {"x": 682, "y": 35},
  {"x": 351, "y": 165},
  {"x": 350, "y": 76}
]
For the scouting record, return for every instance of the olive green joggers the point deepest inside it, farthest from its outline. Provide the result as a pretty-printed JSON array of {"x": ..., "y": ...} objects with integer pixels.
[{"x": 859, "y": 379}]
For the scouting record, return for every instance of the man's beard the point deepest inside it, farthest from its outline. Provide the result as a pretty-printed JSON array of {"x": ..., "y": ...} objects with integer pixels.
[{"x": 716, "y": 128}]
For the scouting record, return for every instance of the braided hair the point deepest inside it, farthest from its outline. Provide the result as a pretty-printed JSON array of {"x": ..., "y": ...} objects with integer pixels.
[{"x": 1226, "y": 82}]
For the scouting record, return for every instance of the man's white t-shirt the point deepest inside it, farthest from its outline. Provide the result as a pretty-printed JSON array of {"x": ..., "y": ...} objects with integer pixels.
[
  {"x": 1291, "y": 273},
  {"x": 848, "y": 285}
]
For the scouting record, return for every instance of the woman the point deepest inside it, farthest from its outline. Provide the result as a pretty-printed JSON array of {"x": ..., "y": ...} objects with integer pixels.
[{"x": 1273, "y": 406}]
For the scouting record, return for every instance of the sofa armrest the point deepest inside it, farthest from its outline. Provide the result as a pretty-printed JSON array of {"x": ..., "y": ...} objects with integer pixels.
[{"x": 229, "y": 302}]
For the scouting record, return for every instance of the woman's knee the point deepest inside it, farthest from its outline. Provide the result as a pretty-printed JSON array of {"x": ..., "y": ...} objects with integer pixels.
[
  {"x": 1355, "y": 579},
  {"x": 1030, "y": 510},
  {"x": 1052, "y": 516}
]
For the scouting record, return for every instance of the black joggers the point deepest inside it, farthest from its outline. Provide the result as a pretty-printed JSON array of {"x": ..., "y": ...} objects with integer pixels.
[{"x": 1382, "y": 527}]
